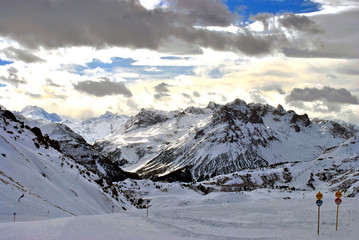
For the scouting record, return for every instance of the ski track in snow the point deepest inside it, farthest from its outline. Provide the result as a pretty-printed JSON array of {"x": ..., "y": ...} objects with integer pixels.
[{"x": 259, "y": 215}]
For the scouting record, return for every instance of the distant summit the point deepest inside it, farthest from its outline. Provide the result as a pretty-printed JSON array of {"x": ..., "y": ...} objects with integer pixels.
[
  {"x": 91, "y": 129},
  {"x": 36, "y": 113}
]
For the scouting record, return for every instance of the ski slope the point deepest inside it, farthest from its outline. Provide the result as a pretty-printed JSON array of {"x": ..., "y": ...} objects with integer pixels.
[{"x": 178, "y": 213}]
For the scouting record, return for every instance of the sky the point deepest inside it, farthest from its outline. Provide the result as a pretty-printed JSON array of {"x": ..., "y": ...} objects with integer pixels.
[{"x": 81, "y": 58}]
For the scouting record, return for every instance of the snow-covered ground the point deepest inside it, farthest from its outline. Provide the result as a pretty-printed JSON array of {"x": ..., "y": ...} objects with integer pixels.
[
  {"x": 180, "y": 213},
  {"x": 64, "y": 200}
]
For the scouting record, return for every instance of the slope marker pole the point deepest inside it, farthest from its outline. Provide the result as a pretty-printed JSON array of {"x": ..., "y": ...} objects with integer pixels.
[
  {"x": 319, "y": 203},
  {"x": 336, "y": 225},
  {"x": 318, "y": 218},
  {"x": 337, "y": 201}
]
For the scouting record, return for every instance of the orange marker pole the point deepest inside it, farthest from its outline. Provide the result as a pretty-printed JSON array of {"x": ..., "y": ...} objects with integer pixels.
[
  {"x": 338, "y": 201},
  {"x": 336, "y": 225}
]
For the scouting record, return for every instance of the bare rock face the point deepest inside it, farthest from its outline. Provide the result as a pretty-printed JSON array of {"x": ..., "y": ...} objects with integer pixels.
[
  {"x": 340, "y": 131},
  {"x": 145, "y": 118},
  {"x": 303, "y": 119},
  {"x": 255, "y": 118}
]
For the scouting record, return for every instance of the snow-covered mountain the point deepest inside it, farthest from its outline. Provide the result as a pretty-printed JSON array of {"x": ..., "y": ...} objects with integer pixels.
[
  {"x": 34, "y": 112},
  {"x": 90, "y": 129},
  {"x": 199, "y": 143},
  {"x": 93, "y": 129},
  {"x": 39, "y": 176},
  {"x": 336, "y": 169},
  {"x": 148, "y": 133}
]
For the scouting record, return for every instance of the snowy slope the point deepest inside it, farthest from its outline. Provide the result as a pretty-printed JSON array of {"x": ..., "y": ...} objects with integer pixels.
[
  {"x": 53, "y": 184},
  {"x": 336, "y": 169},
  {"x": 75, "y": 147},
  {"x": 178, "y": 214},
  {"x": 276, "y": 201}
]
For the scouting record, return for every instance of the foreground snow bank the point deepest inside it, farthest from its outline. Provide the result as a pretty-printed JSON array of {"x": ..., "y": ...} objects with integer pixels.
[{"x": 255, "y": 215}]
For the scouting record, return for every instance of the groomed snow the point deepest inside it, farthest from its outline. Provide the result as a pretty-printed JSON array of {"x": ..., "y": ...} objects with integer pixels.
[{"x": 177, "y": 213}]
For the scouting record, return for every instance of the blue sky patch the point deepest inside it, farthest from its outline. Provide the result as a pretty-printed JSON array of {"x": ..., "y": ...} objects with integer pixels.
[
  {"x": 246, "y": 8},
  {"x": 126, "y": 65},
  {"x": 2, "y": 85},
  {"x": 4, "y": 62},
  {"x": 175, "y": 58}
]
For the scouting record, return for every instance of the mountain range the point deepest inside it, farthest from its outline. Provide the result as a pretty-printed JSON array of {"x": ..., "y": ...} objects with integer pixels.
[
  {"x": 200, "y": 144},
  {"x": 90, "y": 129},
  {"x": 219, "y": 139}
]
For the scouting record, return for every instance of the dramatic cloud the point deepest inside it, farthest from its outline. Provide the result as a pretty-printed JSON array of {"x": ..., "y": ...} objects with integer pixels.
[
  {"x": 12, "y": 77},
  {"x": 339, "y": 40},
  {"x": 103, "y": 23},
  {"x": 326, "y": 94},
  {"x": 299, "y": 23},
  {"x": 205, "y": 13},
  {"x": 20, "y": 54},
  {"x": 162, "y": 90},
  {"x": 103, "y": 88},
  {"x": 263, "y": 18}
]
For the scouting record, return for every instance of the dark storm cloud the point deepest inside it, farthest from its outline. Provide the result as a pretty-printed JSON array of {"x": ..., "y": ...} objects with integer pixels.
[
  {"x": 12, "y": 77},
  {"x": 22, "y": 55},
  {"x": 299, "y": 23},
  {"x": 263, "y": 18},
  {"x": 289, "y": 21},
  {"x": 326, "y": 94},
  {"x": 103, "y": 88},
  {"x": 126, "y": 23},
  {"x": 339, "y": 41},
  {"x": 205, "y": 13},
  {"x": 162, "y": 90}
]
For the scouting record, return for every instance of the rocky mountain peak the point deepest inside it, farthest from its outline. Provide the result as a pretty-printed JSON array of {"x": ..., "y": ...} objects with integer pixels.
[
  {"x": 108, "y": 114},
  {"x": 238, "y": 110},
  {"x": 145, "y": 118},
  {"x": 212, "y": 105}
]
